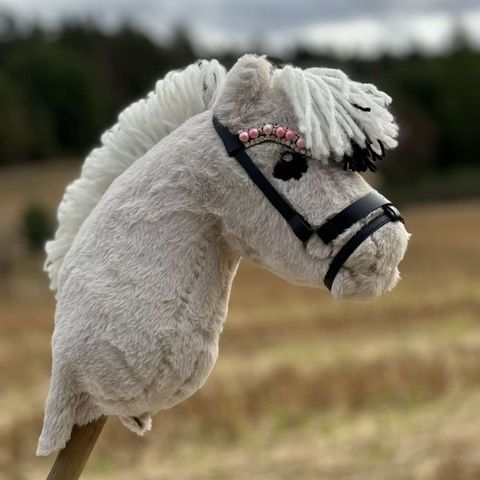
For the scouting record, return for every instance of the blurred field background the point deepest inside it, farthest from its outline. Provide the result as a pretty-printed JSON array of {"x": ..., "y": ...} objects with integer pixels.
[{"x": 305, "y": 388}]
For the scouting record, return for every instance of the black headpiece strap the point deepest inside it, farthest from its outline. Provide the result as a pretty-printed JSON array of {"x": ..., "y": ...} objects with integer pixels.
[
  {"x": 299, "y": 225},
  {"x": 235, "y": 148}
]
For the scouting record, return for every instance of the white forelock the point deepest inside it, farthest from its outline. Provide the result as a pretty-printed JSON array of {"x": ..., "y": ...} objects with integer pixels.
[
  {"x": 177, "y": 97},
  {"x": 323, "y": 100}
]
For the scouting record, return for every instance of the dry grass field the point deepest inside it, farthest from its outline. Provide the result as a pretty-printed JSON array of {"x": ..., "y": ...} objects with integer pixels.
[{"x": 305, "y": 388}]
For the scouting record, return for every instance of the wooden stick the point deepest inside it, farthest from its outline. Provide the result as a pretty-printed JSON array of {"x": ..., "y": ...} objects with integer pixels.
[{"x": 71, "y": 461}]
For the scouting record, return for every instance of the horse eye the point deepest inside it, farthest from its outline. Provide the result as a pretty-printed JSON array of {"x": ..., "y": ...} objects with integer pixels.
[{"x": 291, "y": 165}]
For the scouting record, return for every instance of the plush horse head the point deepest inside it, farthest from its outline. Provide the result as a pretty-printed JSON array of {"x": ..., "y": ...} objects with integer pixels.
[{"x": 259, "y": 163}]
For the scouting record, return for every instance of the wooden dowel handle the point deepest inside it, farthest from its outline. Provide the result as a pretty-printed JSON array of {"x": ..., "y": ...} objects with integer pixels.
[{"x": 71, "y": 461}]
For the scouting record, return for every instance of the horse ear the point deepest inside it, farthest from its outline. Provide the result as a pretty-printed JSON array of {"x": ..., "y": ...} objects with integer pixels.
[{"x": 244, "y": 85}]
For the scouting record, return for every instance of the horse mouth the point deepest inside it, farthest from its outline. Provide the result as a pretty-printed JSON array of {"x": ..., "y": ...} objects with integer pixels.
[{"x": 365, "y": 279}]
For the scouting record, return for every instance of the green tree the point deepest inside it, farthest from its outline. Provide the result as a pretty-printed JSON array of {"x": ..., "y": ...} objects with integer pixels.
[{"x": 37, "y": 227}]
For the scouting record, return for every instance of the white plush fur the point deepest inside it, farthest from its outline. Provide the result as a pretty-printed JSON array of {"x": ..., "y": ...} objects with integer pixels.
[
  {"x": 179, "y": 96},
  {"x": 143, "y": 289}
]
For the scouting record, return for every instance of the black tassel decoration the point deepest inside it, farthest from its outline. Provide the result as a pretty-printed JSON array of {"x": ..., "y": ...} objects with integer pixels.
[{"x": 362, "y": 158}]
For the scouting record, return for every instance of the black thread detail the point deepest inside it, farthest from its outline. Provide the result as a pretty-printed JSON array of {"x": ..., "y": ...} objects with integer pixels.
[{"x": 363, "y": 109}]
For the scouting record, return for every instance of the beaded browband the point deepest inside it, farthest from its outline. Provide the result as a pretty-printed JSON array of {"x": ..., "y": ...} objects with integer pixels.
[{"x": 272, "y": 132}]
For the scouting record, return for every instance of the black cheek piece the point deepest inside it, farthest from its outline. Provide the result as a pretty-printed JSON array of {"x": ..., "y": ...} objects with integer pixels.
[{"x": 329, "y": 230}]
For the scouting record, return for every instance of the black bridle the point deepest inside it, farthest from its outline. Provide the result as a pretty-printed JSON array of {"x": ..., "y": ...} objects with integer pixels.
[{"x": 333, "y": 227}]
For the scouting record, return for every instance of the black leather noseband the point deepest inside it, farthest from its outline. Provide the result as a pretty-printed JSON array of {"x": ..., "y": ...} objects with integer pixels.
[{"x": 333, "y": 227}]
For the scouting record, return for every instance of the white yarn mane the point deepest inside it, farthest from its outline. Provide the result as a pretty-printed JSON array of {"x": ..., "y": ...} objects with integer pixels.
[
  {"x": 326, "y": 103},
  {"x": 179, "y": 96}
]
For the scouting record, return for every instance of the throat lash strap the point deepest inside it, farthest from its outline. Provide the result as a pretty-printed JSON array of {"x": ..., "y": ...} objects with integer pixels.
[{"x": 299, "y": 225}]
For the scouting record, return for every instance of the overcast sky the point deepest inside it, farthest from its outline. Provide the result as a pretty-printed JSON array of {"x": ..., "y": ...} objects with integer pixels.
[{"x": 348, "y": 26}]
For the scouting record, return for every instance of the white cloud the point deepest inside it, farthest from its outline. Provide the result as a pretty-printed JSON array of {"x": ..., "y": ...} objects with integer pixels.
[
  {"x": 471, "y": 21},
  {"x": 361, "y": 36},
  {"x": 347, "y": 26}
]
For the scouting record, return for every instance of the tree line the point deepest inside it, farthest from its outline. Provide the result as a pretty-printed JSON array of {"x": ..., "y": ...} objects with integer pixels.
[{"x": 59, "y": 90}]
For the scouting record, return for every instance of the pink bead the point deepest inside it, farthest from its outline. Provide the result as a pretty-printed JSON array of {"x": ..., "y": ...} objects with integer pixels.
[
  {"x": 244, "y": 136},
  {"x": 301, "y": 143},
  {"x": 267, "y": 129},
  {"x": 253, "y": 133},
  {"x": 290, "y": 134},
  {"x": 280, "y": 132}
]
